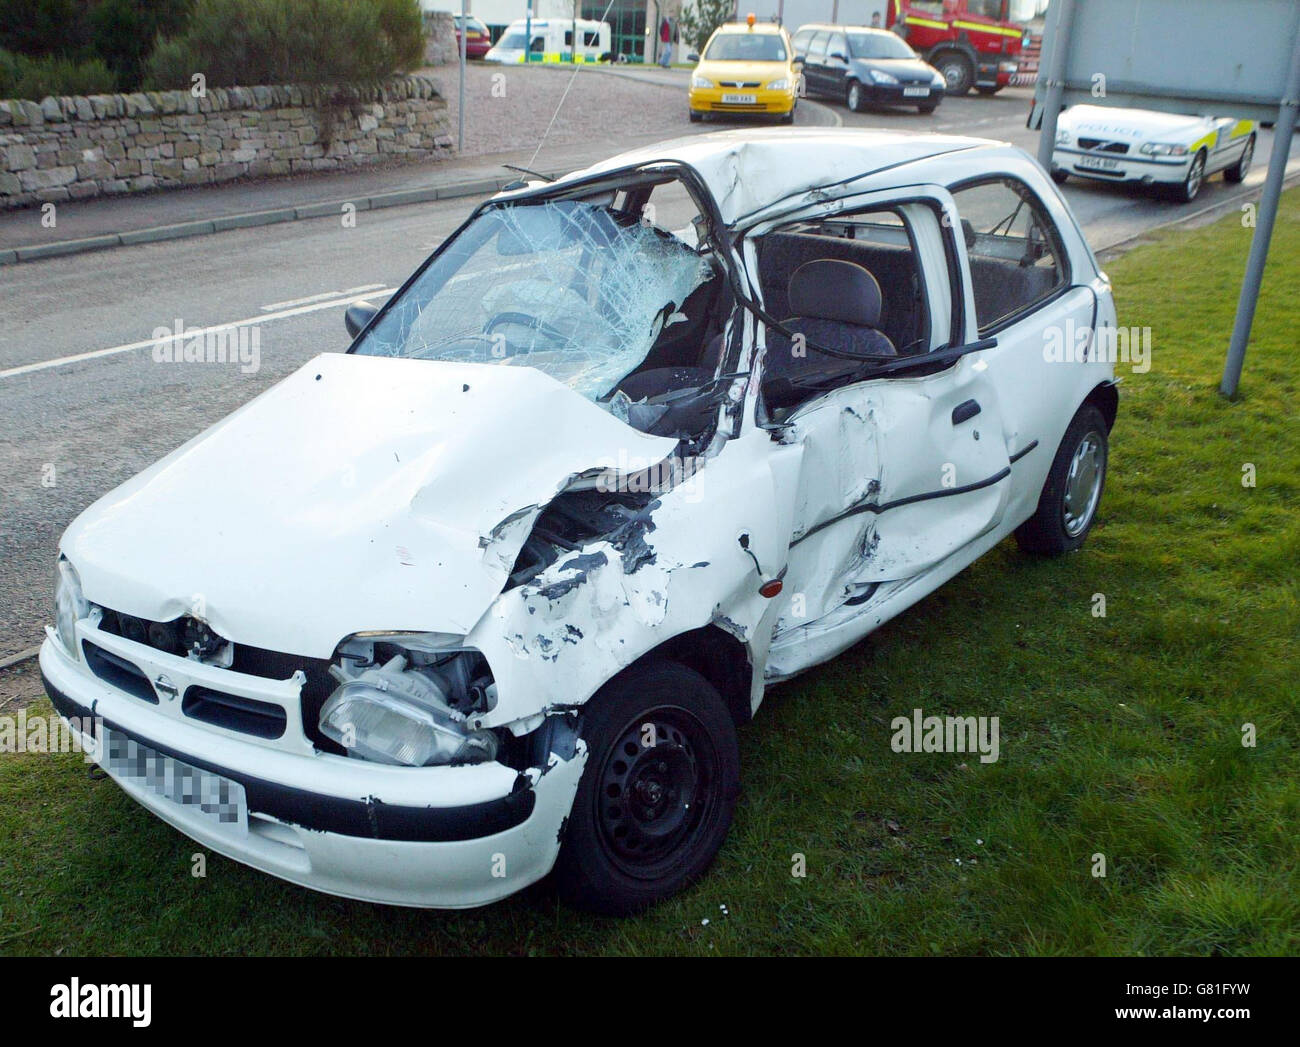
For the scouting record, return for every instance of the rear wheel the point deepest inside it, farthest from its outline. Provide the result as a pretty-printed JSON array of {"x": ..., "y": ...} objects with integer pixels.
[
  {"x": 1068, "y": 504},
  {"x": 957, "y": 70},
  {"x": 1238, "y": 171},
  {"x": 656, "y": 797},
  {"x": 854, "y": 97}
]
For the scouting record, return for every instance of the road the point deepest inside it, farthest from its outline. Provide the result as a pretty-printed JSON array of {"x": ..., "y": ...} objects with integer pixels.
[{"x": 83, "y": 404}]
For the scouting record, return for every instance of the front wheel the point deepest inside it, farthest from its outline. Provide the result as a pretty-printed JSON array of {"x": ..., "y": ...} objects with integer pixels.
[
  {"x": 854, "y": 97},
  {"x": 957, "y": 71},
  {"x": 1067, "y": 506},
  {"x": 656, "y": 797},
  {"x": 696, "y": 116},
  {"x": 1059, "y": 176},
  {"x": 1191, "y": 186},
  {"x": 1238, "y": 171}
]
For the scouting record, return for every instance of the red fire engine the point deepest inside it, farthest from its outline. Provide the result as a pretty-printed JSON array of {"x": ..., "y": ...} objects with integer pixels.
[{"x": 974, "y": 43}]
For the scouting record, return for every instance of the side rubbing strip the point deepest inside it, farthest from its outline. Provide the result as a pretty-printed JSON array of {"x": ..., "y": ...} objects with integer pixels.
[
  {"x": 871, "y": 507},
  {"x": 1023, "y": 451}
]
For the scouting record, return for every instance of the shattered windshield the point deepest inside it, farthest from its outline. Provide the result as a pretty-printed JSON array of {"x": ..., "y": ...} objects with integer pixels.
[{"x": 576, "y": 290}]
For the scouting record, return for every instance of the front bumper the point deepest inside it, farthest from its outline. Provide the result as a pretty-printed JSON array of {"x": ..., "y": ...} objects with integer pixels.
[
  {"x": 1117, "y": 167},
  {"x": 996, "y": 74},
  {"x": 443, "y": 837},
  {"x": 710, "y": 100}
]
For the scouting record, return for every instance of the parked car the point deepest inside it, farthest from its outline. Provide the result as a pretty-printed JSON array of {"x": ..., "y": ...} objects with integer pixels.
[
  {"x": 862, "y": 66},
  {"x": 1138, "y": 146},
  {"x": 551, "y": 40},
  {"x": 490, "y": 593},
  {"x": 478, "y": 39},
  {"x": 746, "y": 67}
]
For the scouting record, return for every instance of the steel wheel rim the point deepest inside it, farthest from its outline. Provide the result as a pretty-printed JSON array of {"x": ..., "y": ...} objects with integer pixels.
[
  {"x": 1083, "y": 484},
  {"x": 653, "y": 802},
  {"x": 855, "y": 99},
  {"x": 1194, "y": 177},
  {"x": 1247, "y": 157},
  {"x": 954, "y": 74}
]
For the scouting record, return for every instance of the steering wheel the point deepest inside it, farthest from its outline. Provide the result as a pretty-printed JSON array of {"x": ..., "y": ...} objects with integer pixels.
[{"x": 524, "y": 320}]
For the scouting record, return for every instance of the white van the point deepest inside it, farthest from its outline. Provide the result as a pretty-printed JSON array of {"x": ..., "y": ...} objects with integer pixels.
[{"x": 552, "y": 40}]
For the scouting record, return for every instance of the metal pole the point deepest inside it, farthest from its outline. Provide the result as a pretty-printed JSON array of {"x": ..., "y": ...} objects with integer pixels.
[
  {"x": 528, "y": 33},
  {"x": 1259, "y": 244},
  {"x": 464, "y": 35},
  {"x": 1057, "y": 64}
]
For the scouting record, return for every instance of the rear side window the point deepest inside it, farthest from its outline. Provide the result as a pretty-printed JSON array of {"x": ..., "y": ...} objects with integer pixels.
[{"x": 1016, "y": 258}]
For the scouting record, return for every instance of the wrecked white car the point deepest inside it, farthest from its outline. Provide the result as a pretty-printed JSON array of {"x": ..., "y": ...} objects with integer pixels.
[{"x": 489, "y": 594}]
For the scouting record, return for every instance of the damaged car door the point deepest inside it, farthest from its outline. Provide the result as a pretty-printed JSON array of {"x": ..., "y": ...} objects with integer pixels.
[{"x": 914, "y": 419}]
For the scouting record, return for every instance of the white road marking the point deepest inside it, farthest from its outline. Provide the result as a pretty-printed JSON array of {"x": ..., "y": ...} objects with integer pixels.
[
  {"x": 320, "y": 297},
  {"x": 251, "y": 321}
]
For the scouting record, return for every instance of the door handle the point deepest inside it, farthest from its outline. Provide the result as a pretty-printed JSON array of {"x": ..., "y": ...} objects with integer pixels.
[{"x": 964, "y": 412}]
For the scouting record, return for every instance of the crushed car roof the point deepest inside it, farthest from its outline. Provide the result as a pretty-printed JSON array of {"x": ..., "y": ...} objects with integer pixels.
[{"x": 749, "y": 169}]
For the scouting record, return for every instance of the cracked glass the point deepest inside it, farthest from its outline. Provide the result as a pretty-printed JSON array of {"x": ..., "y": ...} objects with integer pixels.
[{"x": 577, "y": 290}]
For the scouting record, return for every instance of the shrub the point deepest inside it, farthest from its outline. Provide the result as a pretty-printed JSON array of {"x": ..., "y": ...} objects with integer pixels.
[
  {"x": 290, "y": 41},
  {"x": 123, "y": 33},
  {"x": 34, "y": 78}
]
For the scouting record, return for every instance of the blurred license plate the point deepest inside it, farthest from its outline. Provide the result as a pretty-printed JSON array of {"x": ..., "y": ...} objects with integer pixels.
[
  {"x": 732, "y": 99},
  {"x": 202, "y": 792},
  {"x": 1099, "y": 162},
  {"x": 916, "y": 92}
]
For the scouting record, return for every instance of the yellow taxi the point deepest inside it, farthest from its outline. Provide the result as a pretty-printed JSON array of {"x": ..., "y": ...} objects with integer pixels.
[{"x": 746, "y": 67}]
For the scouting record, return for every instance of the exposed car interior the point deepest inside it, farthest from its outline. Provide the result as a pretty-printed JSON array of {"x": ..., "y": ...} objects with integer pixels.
[{"x": 851, "y": 285}]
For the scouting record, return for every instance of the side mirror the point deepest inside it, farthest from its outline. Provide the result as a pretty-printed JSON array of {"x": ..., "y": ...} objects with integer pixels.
[
  {"x": 797, "y": 61},
  {"x": 358, "y": 315},
  {"x": 839, "y": 57},
  {"x": 692, "y": 57}
]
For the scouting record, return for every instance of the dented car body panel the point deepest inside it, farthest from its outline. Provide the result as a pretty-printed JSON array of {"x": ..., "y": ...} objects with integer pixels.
[{"x": 512, "y": 489}]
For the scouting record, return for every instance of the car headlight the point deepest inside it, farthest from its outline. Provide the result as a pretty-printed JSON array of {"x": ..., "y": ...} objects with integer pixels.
[
  {"x": 701, "y": 81},
  {"x": 1062, "y": 137},
  {"x": 881, "y": 77},
  {"x": 939, "y": 81},
  {"x": 69, "y": 606},
  {"x": 1163, "y": 149},
  {"x": 779, "y": 85},
  {"x": 1008, "y": 67},
  {"x": 414, "y": 709}
]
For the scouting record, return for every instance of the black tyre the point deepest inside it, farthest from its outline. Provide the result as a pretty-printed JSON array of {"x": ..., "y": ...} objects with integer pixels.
[
  {"x": 1067, "y": 507},
  {"x": 927, "y": 109},
  {"x": 958, "y": 73},
  {"x": 854, "y": 97},
  {"x": 656, "y": 797},
  {"x": 696, "y": 117},
  {"x": 1238, "y": 171},
  {"x": 1059, "y": 176},
  {"x": 1191, "y": 187}
]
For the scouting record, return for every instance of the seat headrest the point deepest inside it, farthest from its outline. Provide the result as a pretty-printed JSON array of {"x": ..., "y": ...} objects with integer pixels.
[{"x": 831, "y": 289}]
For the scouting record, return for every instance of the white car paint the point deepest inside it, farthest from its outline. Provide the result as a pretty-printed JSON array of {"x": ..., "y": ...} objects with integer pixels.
[
  {"x": 1106, "y": 144},
  {"x": 369, "y": 493}
]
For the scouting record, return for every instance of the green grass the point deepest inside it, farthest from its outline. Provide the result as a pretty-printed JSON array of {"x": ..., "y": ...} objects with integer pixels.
[{"x": 1120, "y": 735}]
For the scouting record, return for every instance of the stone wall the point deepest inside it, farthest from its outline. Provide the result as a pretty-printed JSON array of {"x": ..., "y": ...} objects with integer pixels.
[
  {"x": 440, "y": 46},
  {"x": 74, "y": 148}
]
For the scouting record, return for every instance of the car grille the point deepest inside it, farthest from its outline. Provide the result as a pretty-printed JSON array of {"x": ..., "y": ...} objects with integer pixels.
[
  {"x": 740, "y": 83},
  {"x": 212, "y": 705},
  {"x": 1100, "y": 145}
]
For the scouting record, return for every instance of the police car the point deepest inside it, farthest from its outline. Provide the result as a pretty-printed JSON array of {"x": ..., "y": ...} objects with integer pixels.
[{"x": 1164, "y": 149}]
